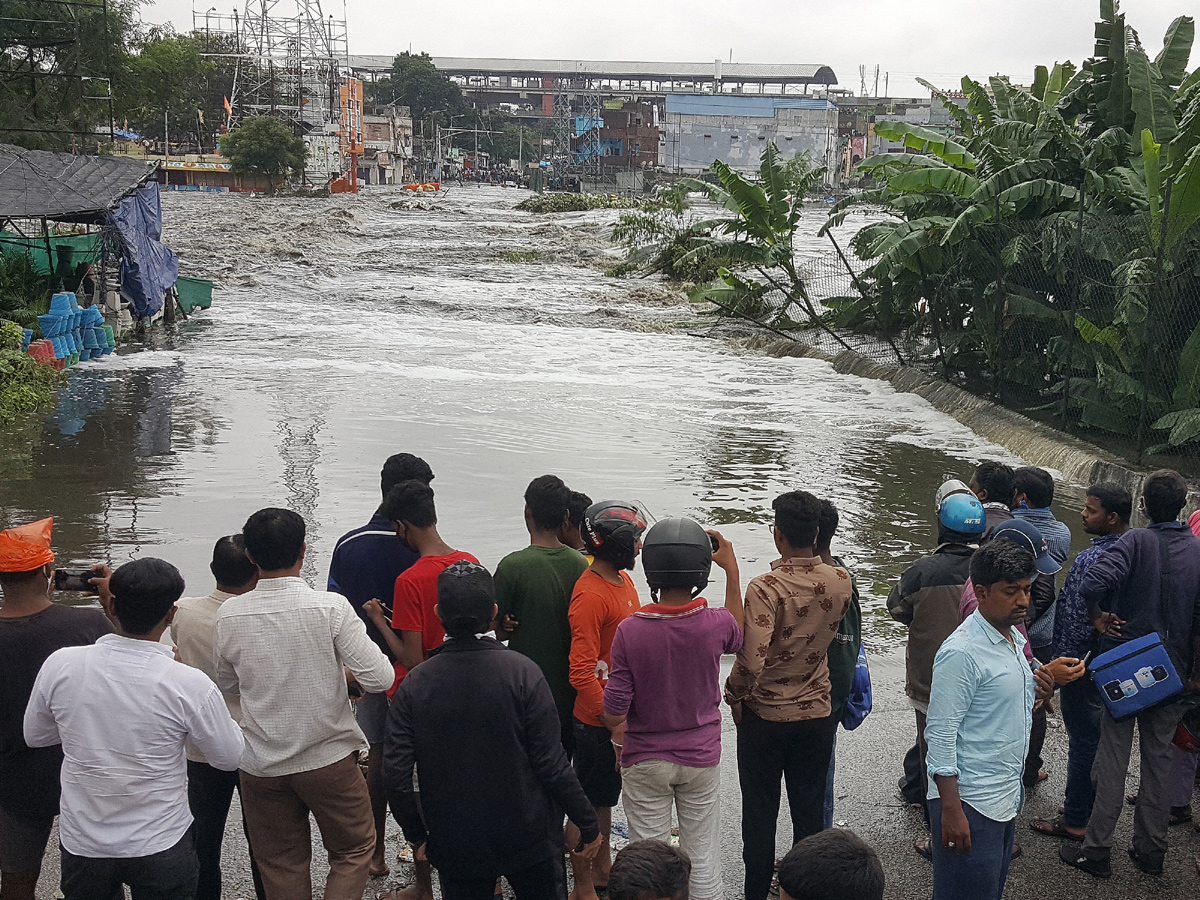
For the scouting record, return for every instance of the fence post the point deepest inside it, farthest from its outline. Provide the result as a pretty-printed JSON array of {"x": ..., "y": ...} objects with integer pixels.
[
  {"x": 858, "y": 286},
  {"x": 998, "y": 324},
  {"x": 1071, "y": 329},
  {"x": 1151, "y": 322}
]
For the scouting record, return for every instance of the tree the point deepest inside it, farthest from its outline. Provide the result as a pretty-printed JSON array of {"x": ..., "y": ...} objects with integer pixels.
[
  {"x": 265, "y": 147},
  {"x": 1029, "y": 247},
  {"x": 170, "y": 74},
  {"x": 415, "y": 82},
  {"x": 47, "y": 51}
]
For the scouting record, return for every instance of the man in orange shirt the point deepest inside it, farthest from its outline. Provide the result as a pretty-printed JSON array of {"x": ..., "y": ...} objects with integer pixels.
[{"x": 604, "y": 597}]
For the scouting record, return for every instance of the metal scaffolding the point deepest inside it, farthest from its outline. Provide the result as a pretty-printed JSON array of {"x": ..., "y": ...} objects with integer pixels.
[
  {"x": 291, "y": 60},
  {"x": 575, "y": 127}
]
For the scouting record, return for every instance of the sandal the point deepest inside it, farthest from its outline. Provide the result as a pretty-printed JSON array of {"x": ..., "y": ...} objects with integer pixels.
[
  {"x": 1179, "y": 816},
  {"x": 1055, "y": 828},
  {"x": 924, "y": 846}
]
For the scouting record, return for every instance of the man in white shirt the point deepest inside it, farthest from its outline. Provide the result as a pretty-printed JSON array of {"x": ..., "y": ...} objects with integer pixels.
[
  {"x": 285, "y": 649},
  {"x": 122, "y": 710},
  {"x": 210, "y": 790}
]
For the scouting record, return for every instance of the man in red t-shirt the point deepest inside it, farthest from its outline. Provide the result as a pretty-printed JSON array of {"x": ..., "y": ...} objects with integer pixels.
[{"x": 414, "y": 629}]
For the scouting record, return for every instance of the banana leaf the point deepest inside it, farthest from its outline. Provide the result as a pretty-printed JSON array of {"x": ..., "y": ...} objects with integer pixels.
[
  {"x": 1152, "y": 106},
  {"x": 923, "y": 139},
  {"x": 934, "y": 179},
  {"x": 1184, "y": 425},
  {"x": 1172, "y": 62}
]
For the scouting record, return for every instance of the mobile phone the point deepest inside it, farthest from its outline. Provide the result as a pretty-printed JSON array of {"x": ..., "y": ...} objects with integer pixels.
[
  {"x": 73, "y": 580},
  {"x": 1087, "y": 658},
  {"x": 716, "y": 545}
]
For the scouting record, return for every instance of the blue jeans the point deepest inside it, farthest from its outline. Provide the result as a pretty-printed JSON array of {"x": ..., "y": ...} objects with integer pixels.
[
  {"x": 1082, "y": 710},
  {"x": 979, "y": 874},
  {"x": 829, "y": 785}
]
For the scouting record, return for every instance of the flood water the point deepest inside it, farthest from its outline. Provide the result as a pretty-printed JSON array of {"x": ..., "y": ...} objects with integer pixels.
[{"x": 345, "y": 330}]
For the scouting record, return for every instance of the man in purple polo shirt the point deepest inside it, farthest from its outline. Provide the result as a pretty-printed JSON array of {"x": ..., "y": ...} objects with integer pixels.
[
  {"x": 665, "y": 685},
  {"x": 365, "y": 565}
]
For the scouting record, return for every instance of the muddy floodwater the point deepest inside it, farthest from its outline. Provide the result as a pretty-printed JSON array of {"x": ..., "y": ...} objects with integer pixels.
[{"x": 487, "y": 341}]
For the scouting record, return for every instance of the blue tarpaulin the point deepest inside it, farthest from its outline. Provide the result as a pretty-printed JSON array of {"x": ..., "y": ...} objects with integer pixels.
[{"x": 149, "y": 267}]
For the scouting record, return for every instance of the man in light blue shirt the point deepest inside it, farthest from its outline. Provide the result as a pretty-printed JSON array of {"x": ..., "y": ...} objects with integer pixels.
[{"x": 980, "y": 713}]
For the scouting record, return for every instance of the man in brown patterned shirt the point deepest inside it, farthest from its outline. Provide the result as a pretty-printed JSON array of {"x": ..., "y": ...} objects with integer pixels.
[{"x": 779, "y": 687}]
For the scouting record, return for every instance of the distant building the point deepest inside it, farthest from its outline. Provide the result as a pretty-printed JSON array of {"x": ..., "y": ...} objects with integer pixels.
[
  {"x": 699, "y": 129},
  {"x": 387, "y": 146}
]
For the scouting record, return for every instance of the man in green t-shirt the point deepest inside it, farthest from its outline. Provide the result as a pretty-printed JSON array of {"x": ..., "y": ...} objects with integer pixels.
[{"x": 533, "y": 592}]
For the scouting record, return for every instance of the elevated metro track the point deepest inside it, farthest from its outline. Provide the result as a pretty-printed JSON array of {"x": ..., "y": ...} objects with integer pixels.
[{"x": 528, "y": 80}]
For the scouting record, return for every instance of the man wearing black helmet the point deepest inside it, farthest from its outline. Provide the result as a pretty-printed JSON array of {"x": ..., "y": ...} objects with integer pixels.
[
  {"x": 666, "y": 678},
  {"x": 603, "y": 598}
]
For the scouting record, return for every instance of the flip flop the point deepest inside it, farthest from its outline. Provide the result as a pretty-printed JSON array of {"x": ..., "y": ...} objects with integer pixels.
[
  {"x": 924, "y": 847},
  {"x": 1180, "y": 815},
  {"x": 1054, "y": 828}
]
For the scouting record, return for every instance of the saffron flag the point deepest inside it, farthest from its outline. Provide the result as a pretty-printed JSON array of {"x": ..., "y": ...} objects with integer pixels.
[{"x": 228, "y": 108}]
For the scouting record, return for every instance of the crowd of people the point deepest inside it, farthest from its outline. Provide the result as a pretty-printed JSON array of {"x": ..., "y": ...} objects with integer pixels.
[{"x": 504, "y": 715}]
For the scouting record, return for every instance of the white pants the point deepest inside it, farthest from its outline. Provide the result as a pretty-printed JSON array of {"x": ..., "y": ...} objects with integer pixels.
[{"x": 648, "y": 791}]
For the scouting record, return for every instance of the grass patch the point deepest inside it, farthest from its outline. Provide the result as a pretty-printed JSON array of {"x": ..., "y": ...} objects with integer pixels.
[{"x": 523, "y": 256}]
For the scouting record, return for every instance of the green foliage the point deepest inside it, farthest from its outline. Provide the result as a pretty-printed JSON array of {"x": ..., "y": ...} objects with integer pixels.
[
  {"x": 523, "y": 256},
  {"x": 24, "y": 292},
  {"x": 24, "y": 385},
  {"x": 563, "y": 202},
  {"x": 1026, "y": 253},
  {"x": 63, "y": 41},
  {"x": 265, "y": 147},
  {"x": 415, "y": 82}
]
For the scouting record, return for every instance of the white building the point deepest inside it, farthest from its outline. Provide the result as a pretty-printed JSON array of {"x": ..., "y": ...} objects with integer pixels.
[{"x": 699, "y": 129}]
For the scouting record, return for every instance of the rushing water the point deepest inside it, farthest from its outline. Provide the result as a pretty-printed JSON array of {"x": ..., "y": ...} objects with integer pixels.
[{"x": 347, "y": 329}]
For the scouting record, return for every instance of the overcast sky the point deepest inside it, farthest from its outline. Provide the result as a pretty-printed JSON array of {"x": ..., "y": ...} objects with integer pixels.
[{"x": 940, "y": 40}]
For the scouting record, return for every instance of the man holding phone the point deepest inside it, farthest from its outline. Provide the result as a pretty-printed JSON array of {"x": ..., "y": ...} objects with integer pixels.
[
  {"x": 1105, "y": 514},
  {"x": 31, "y": 628}
]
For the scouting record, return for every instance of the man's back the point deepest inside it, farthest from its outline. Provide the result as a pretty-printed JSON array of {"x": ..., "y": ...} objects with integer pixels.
[
  {"x": 926, "y": 599},
  {"x": 365, "y": 565},
  {"x": 29, "y": 777},
  {"x": 415, "y": 595},
  {"x": 283, "y": 646},
  {"x": 1129, "y": 579},
  {"x": 480, "y": 722},
  {"x": 534, "y": 586},
  {"x": 122, "y": 709}
]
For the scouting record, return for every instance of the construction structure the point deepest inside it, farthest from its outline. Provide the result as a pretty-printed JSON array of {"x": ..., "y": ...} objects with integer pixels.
[
  {"x": 575, "y": 128},
  {"x": 291, "y": 64}
]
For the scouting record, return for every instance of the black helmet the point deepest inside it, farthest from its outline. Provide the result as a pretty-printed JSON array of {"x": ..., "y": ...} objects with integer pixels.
[
  {"x": 610, "y": 531},
  {"x": 677, "y": 553}
]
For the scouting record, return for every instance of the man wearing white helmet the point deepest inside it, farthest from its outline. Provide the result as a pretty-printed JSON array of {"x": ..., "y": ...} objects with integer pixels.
[{"x": 927, "y": 594}]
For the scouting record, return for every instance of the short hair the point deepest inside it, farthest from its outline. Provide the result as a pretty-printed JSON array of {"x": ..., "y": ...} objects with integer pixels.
[
  {"x": 1036, "y": 484},
  {"x": 832, "y": 865},
  {"x": 648, "y": 870},
  {"x": 410, "y": 502},
  {"x": 547, "y": 498},
  {"x": 827, "y": 523},
  {"x": 997, "y": 479},
  {"x": 144, "y": 591},
  {"x": 577, "y": 505},
  {"x": 274, "y": 538},
  {"x": 230, "y": 564},
  {"x": 403, "y": 467},
  {"x": 1001, "y": 560},
  {"x": 466, "y": 596},
  {"x": 1165, "y": 493},
  {"x": 1114, "y": 498},
  {"x": 797, "y": 516}
]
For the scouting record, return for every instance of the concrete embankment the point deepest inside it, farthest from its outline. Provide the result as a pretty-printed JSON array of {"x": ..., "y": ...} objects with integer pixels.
[{"x": 1079, "y": 462}]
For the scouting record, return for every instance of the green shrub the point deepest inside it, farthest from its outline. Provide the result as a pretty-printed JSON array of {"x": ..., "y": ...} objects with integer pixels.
[{"x": 24, "y": 385}]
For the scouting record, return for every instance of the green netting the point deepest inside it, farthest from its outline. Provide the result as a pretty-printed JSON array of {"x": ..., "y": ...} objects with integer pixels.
[{"x": 85, "y": 247}]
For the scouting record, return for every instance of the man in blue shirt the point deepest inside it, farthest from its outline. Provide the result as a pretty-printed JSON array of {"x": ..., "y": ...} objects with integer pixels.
[
  {"x": 980, "y": 712},
  {"x": 1147, "y": 582},
  {"x": 365, "y": 565},
  {"x": 1106, "y": 513}
]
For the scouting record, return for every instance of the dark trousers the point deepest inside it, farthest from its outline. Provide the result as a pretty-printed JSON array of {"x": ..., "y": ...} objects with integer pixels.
[
  {"x": 923, "y": 772},
  {"x": 210, "y": 793},
  {"x": 910, "y": 783},
  {"x": 1037, "y": 740},
  {"x": 545, "y": 881},
  {"x": 1082, "y": 711},
  {"x": 797, "y": 752},
  {"x": 168, "y": 875},
  {"x": 979, "y": 874}
]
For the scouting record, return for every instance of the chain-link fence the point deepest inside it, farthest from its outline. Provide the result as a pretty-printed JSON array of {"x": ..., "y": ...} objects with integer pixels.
[{"x": 1090, "y": 323}]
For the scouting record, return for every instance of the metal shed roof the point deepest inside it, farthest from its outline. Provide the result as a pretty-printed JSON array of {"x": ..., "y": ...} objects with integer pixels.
[{"x": 38, "y": 184}]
